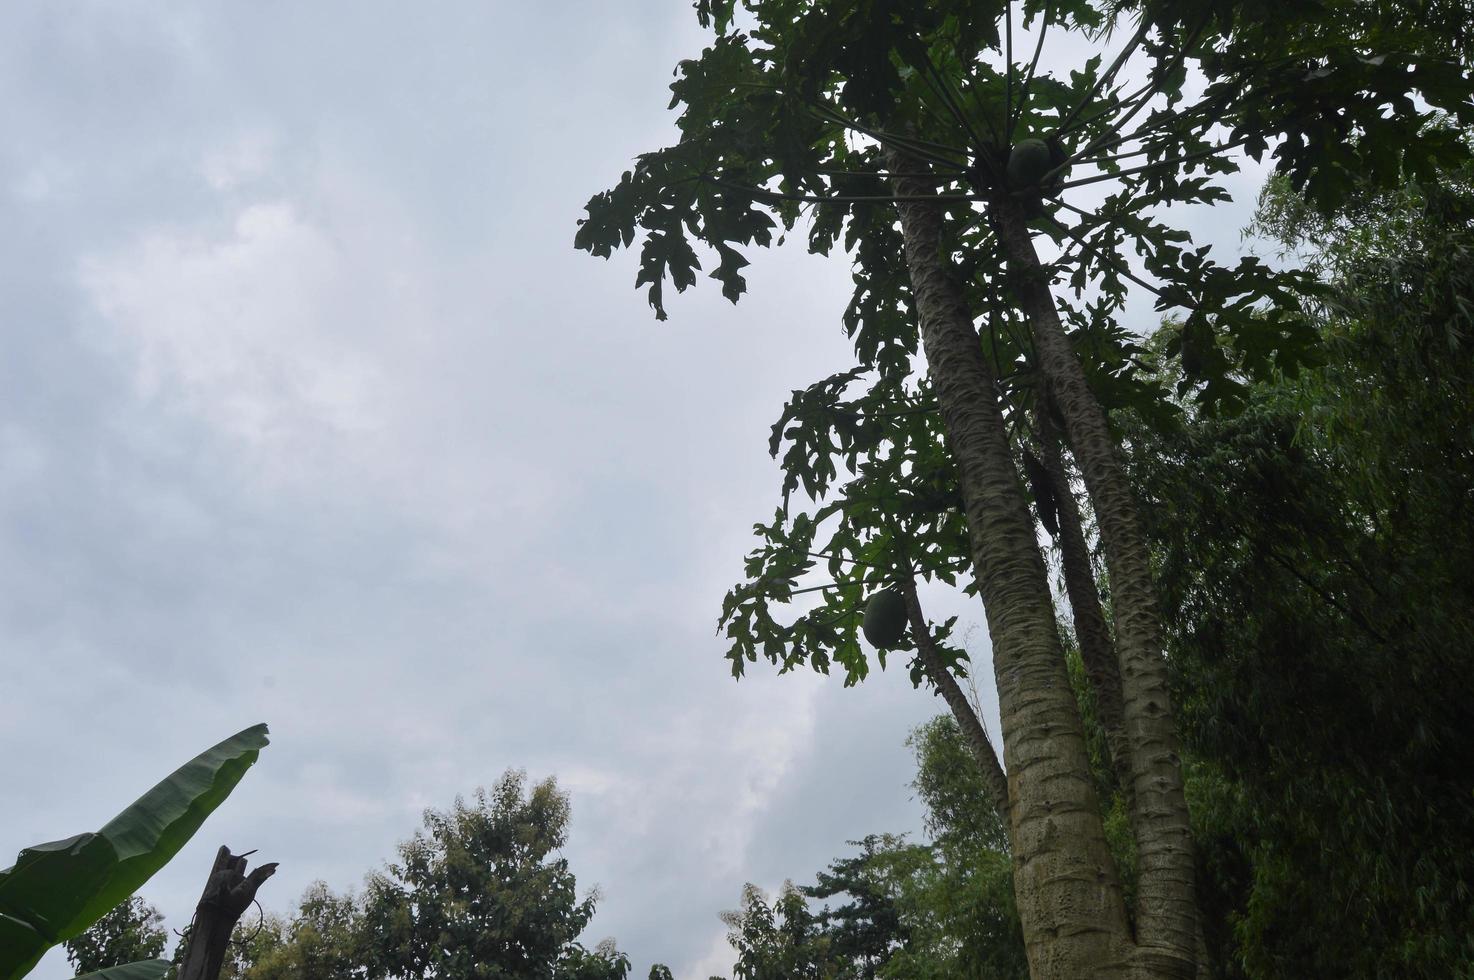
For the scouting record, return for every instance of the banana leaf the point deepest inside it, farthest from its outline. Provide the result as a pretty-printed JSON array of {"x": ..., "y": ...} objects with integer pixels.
[
  {"x": 142, "y": 970},
  {"x": 56, "y": 890}
]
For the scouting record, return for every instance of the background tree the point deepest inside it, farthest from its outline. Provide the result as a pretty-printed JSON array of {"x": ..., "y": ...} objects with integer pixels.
[
  {"x": 866, "y": 928},
  {"x": 781, "y": 940},
  {"x": 603, "y": 962},
  {"x": 956, "y": 893},
  {"x": 479, "y": 893},
  {"x": 256, "y": 939},
  {"x": 932, "y": 911},
  {"x": 326, "y": 937},
  {"x": 132, "y": 931},
  {"x": 1316, "y": 556}
]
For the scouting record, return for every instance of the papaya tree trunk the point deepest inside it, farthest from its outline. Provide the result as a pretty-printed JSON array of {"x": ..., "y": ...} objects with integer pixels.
[
  {"x": 962, "y": 709},
  {"x": 1166, "y": 912},
  {"x": 1097, "y": 649},
  {"x": 1068, "y": 891}
]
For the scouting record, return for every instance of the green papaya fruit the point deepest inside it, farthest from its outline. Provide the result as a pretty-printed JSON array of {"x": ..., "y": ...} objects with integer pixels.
[
  {"x": 1194, "y": 353},
  {"x": 1028, "y": 162},
  {"x": 885, "y": 618}
]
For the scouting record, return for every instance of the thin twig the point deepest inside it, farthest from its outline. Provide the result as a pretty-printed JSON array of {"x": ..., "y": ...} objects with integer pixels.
[
  {"x": 968, "y": 720},
  {"x": 852, "y": 561},
  {"x": 1101, "y": 142}
]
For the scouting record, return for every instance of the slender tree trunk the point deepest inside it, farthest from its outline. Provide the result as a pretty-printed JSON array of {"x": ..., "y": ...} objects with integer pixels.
[
  {"x": 1068, "y": 892},
  {"x": 1097, "y": 649},
  {"x": 962, "y": 709},
  {"x": 1166, "y": 914}
]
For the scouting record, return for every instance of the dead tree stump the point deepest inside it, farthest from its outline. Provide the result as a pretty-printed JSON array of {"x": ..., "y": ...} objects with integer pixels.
[{"x": 228, "y": 893}]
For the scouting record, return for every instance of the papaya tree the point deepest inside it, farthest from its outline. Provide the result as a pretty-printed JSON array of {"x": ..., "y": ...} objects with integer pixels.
[{"x": 934, "y": 143}]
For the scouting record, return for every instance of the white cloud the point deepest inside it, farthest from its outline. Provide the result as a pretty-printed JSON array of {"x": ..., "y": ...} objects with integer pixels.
[
  {"x": 362, "y": 447},
  {"x": 238, "y": 328},
  {"x": 300, "y": 334},
  {"x": 717, "y": 961},
  {"x": 247, "y": 156}
]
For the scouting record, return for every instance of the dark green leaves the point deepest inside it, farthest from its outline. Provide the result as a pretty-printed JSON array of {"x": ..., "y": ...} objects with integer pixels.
[
  {"x": 780, "y": 125},
  {"x": 482, "y": 891},
  {"x": 142, "y": 970},
  {"x": 874, "y": 463}
]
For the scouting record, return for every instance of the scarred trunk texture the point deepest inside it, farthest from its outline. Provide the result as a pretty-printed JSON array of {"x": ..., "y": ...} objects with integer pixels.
[
  {"x": 229, "y": 891},
  {"x": 1097, "y": 650},
  {"x": 962, "y": 710},
  {"x": 1166, "y": 910},
  {"x": 1069, "y": 896}
]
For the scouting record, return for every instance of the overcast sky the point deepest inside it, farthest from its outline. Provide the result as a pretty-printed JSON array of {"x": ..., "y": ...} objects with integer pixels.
[{"x": 310, "y": 414}]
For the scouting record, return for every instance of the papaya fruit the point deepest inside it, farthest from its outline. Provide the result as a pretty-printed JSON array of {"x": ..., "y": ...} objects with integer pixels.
[
  {"x": 885, "y": 618},
  {"x": 1194, "y": 354},
  {"x": 1028, "y": 162}
]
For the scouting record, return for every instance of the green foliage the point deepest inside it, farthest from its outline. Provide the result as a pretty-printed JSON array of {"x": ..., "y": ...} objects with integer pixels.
[
  {"x": 132, "y": 931},
  {"x": 770, "y": 119},
  {"x": 326, "y": 937},
  {"x": 479, "y": 894},
  {"x": 603, "y": 962},
  {"x": 903, "y": 911},
  {"x": 953, "y": 791},
  {"x": 142, "y": 970},
  {"x": 899, "y": 506},
  {"x": 959, "y": 915},
  {"x": 1314, "y": 551},
  {"x": 957, "y": 899},
  {"x": 56, "y": 890},
  {"x": 783, "y": 121},
  {"x": 866, "y": 929},
  {"x": 779, "y": 941}
]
